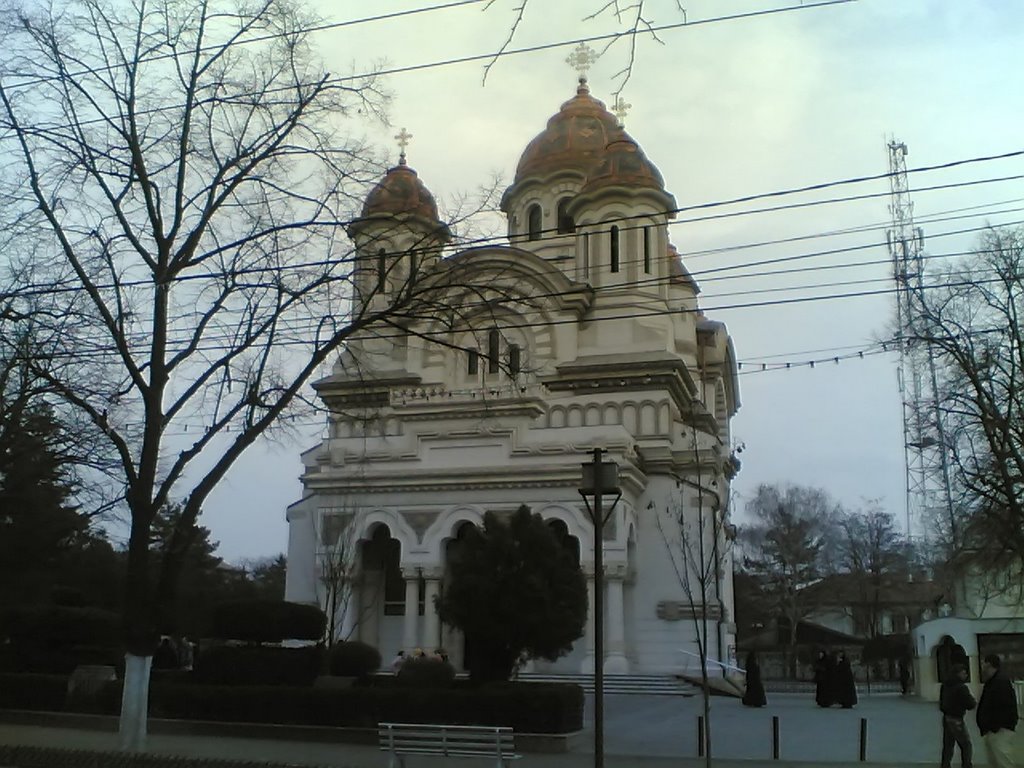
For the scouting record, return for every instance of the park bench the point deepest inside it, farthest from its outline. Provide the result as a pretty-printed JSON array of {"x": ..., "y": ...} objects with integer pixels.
[{"x": 401, "y": 739}]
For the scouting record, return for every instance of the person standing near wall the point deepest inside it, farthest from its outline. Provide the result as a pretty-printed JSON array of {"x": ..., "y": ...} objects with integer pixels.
[
  {"x": 954, "y": 701},
  {"x": 997, "y": 713}
]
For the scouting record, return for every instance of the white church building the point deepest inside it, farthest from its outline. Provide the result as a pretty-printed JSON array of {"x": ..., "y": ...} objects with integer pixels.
[{"x": 584, "y": 331}]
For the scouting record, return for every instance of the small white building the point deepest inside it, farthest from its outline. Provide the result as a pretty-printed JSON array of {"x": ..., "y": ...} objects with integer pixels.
[{"x": 585, "y": 331}]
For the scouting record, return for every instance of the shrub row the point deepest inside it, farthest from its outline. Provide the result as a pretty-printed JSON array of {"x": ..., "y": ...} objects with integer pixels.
[
  {"x": 260, "y": 665},
  {"x": 526, "y": 707},
  {"x": 267, "y": 621}
]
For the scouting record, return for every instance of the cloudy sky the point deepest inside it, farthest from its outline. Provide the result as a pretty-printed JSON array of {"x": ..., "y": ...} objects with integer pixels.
[{"x": 726, "y": 108}]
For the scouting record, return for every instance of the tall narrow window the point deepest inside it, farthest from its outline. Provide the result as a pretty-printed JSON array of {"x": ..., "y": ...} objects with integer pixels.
[
  {"x": 382, "y": 268},
  {"x": 514, "y": 361},
  {"x": 647, "y": 250},
  {"x": 615, "y": 248},
  {"x": 534, "y": 222},
  {"x": 493, "y": 350},
  {"x": 472, "y": 362},
  {"x": 413, "y": 265},
  {"x": 586, "y": 256},
  {"x": 566, "y": 225}
]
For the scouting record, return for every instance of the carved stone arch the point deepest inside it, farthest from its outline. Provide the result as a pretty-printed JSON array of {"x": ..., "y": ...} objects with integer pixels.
[
  {"x": 557, "y": 417},
  {"x": 648, "y": 418},
  {"x": 575, "y": 521},
  {"x": 445, "y": 525},
  {"x": 664, "y": 416},
  {"x": 611, "y": 414},
  {"x": 575, "y": 416},
  {"x": 395, "y": 523},
  {"x": 630, "y": 417},
  {"x": 592, "y": 415}
]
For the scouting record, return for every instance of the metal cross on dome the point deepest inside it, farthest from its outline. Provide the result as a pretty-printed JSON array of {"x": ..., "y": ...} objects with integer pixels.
[
  {"x": 402, "y": 137},
  {"x": 620, "y": 108},
  {"x": 581, "y": 59}
]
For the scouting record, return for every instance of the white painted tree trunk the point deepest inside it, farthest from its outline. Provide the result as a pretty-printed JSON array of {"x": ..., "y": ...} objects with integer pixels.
[{"x": 135, "y": 702}]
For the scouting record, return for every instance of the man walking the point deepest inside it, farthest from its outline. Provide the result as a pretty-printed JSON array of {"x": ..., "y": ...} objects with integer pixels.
[
  {"x": 997, "y": 713},
  {"x": 954, "y": 701}
]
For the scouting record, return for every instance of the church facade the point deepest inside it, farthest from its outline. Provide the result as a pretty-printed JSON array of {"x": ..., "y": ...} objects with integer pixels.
[{"x": 583, "y": 332}]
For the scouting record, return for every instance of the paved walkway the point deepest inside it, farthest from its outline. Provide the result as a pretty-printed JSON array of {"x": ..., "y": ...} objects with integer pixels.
[{"x": 643, "y": 731}]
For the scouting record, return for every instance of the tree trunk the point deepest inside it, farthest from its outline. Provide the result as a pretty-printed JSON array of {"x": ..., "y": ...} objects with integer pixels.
[{"x": 135, "y": 702}]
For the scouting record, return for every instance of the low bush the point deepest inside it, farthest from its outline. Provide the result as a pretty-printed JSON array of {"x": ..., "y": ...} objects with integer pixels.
[
  {"x": 259, "y": 665},
  {"x": 425, "y": 672},
  {"x": 353, "y": 658},
  {"x": 266, "y": 621}
]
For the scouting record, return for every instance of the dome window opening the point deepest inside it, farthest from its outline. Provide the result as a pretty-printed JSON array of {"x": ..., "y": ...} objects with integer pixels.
[
  {"x": 382, "y": 268},
  {"x": 566, "y": 224},
  {"x": 493, "y": 351},
  {"x": 472, "y": 362},
  {"x": 534, "y": 222},
  {"x": 614, "y": 235},
  {"x": 514, "y": 359},
  {"x": 647, "y": 250}
]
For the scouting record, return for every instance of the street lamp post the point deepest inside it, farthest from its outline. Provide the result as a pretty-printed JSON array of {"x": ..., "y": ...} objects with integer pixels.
[{"x": 600, "y": 478}]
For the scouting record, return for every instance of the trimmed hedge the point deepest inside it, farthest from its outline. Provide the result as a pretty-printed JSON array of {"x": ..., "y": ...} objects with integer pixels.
[
  {"x": 526, "y": 707},
  {"x": 56, "y": 639},
  {"x": 33, "y": 691},
  {"x": 259, "y": 665},
  {"x": 352, "y": 658},
  {"x": 266, "y": 621},
  {"x": 58, "y": 626}
]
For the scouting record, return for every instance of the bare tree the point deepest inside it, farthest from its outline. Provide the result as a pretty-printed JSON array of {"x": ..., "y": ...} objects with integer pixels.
[
  {"x": 176, "y": 176},
  {"x": 875, "y": 555},
  {"x": 699, "y": 543},
  {"x": 785, "y": 548},
  {"x": 631, "y": 18},
  {"x": 971, "y": 323},
  {"x": 337, "y": 565}
]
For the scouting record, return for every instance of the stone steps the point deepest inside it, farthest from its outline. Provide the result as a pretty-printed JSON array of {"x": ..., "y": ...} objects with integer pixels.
[{"x": 649, "y": 685}]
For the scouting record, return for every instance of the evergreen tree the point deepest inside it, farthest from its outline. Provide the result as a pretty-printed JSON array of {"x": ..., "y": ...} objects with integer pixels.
[
  {"x": 516, "y": 592},
  {"x": 38, "y": 518}
]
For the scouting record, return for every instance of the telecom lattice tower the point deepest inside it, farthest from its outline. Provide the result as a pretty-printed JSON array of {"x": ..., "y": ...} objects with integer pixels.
[{"x": 927, "y": 469}]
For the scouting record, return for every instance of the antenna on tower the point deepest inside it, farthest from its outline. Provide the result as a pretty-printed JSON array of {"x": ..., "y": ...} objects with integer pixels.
[{"x": 924, "y": 439}]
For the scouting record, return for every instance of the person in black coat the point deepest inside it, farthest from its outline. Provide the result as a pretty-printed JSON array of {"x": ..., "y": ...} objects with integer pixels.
[
  {"x": 823, "y": 674},
  {"x": 754, "y": 695},
  {"x": 997, "y": 713},
  {"x": 954, "y": 700},
  {"x": 845, "y": 687}
]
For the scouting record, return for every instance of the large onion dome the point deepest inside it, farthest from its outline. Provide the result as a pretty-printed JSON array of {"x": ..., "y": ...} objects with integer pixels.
[{"x": 575, "y": 138}]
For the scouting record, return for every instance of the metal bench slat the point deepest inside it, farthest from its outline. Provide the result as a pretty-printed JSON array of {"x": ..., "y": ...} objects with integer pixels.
[{"x": 448, "y": 740}]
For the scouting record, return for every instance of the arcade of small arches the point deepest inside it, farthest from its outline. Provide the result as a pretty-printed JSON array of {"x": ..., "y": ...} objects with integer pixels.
[{"x": 401, "y": 570}]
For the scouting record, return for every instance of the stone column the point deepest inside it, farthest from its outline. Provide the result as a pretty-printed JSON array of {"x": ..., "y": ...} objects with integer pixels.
[
  {"x": 412, "y": 608},
  {"x": 615, "y": 662},
  {"x": 350, "y": 619},
  {"x": 587, "y": 665},
  {"x": 431, "y": 621}
]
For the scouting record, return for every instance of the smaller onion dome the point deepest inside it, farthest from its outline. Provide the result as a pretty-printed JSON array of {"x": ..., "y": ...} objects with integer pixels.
[
  {"x": 401, "y": 194},
  {"x": 401, "y": 191},
  {"x": 624, "y": 165}
]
